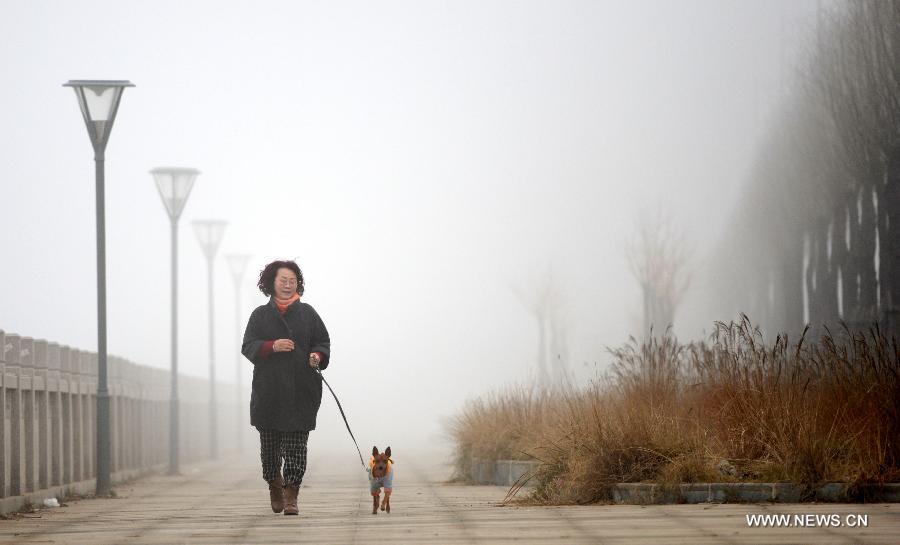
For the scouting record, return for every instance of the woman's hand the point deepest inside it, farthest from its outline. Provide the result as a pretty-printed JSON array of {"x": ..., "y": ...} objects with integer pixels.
[
  {"x": 314, "y": 360},
  {"x": 283, "y": 345}
]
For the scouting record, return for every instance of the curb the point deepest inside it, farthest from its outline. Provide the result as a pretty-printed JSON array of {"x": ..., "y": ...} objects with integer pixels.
[
  {"x": 642, "y": 493},
  {"x": 500, "y": 472},
  {"x": 508, "y": 472},
  {"x": 13, "y": 504}
]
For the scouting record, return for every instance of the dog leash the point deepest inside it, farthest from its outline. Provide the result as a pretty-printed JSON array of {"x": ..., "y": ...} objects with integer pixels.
[
  {"x": 344, "y": 416},
  {"x": 291, "y": 334}
]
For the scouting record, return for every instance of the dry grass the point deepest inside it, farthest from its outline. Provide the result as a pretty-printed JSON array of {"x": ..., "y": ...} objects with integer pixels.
[{"x": 728, "y": 409}]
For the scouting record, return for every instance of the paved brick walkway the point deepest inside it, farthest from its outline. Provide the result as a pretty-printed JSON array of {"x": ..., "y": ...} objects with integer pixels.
[{"x": 228, "y": 503}]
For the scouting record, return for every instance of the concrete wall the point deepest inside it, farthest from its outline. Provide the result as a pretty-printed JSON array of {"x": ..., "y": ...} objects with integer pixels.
[{"x": 48, "y": 417}]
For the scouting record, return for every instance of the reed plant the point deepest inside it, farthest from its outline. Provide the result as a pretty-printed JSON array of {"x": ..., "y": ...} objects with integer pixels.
[{"x": 731, "y": 408}]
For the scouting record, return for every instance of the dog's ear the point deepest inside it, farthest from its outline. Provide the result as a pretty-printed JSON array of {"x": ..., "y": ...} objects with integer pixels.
[
  {"x": 388, "y": 452},
  {"x": 374, "y": 451}
]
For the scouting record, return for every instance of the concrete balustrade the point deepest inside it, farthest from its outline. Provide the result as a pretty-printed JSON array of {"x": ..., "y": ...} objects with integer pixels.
[{"x": 48, "y": 420}]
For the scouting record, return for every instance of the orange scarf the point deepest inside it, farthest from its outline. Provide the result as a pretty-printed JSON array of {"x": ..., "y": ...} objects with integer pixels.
[{"x": 283, "y": 304}]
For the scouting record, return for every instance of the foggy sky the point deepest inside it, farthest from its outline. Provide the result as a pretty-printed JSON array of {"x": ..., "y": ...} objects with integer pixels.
[{"x": 420, "y": 160}]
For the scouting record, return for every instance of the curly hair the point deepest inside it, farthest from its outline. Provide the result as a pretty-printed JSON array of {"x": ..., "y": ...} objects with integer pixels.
[{"x": 266, "y": 283}]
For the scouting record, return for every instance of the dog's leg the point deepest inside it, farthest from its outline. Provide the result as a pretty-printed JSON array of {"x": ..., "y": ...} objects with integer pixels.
[
  {"x": 375, "y": 496},
  {"x": 386, "y": 504}
]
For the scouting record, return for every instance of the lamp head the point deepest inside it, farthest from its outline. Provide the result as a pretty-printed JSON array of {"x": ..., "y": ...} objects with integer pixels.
[
  {"x": 174, "y": 185},
  {"x": 99, "y": 102}
]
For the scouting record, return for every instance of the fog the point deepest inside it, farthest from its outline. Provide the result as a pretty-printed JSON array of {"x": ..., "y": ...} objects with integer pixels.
[{"x": 430, "y": 165}]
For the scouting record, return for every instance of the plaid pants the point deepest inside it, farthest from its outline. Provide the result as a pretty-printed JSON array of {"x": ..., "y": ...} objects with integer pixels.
[{"x": 290, "y": 446}]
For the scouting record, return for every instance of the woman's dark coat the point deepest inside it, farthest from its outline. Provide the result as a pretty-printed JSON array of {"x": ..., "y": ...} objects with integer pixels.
[{"x": 286, "y": 392}]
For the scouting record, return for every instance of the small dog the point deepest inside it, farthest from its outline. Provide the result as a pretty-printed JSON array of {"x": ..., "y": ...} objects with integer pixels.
[{"x": 381, "y": 475}]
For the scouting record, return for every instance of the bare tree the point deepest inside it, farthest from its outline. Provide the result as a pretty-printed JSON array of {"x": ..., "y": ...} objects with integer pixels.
[
  {"x": 658, "y": 257},
  {"x": 544, "y": 302},
  {"x": 858, "y": 73}
]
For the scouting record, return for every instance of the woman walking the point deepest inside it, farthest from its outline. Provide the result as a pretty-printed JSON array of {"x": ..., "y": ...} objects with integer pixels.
[{"x": 286, "y": 341}]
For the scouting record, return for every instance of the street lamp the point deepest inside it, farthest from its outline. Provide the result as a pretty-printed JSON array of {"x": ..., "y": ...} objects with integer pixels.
[
  {"x": 209, "y": 234},
  {"x": 237, "y": 263},
  {"x": 99, "y": 102},
  {"x": 174, "y": 185}
]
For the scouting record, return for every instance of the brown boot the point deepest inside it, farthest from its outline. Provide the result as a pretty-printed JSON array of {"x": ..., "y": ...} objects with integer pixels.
[
  {"x": 290, "y": 499},
  {"x": 276, "y": 494}
]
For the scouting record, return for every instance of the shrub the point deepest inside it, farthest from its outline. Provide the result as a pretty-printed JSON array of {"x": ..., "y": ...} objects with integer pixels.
[{"x": 727, "y": 409}]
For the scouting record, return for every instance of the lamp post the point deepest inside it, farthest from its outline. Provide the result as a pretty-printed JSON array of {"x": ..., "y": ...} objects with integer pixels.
[
  {"x": 237, "y": 263},
  {"x": 174, "y": 185},
  {"x": 209, "y": 234},
  {"x": 99, "y": 102}
]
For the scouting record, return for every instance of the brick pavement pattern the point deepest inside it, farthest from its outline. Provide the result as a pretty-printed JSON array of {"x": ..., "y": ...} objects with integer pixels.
[{"x": 228, "y": 503}]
